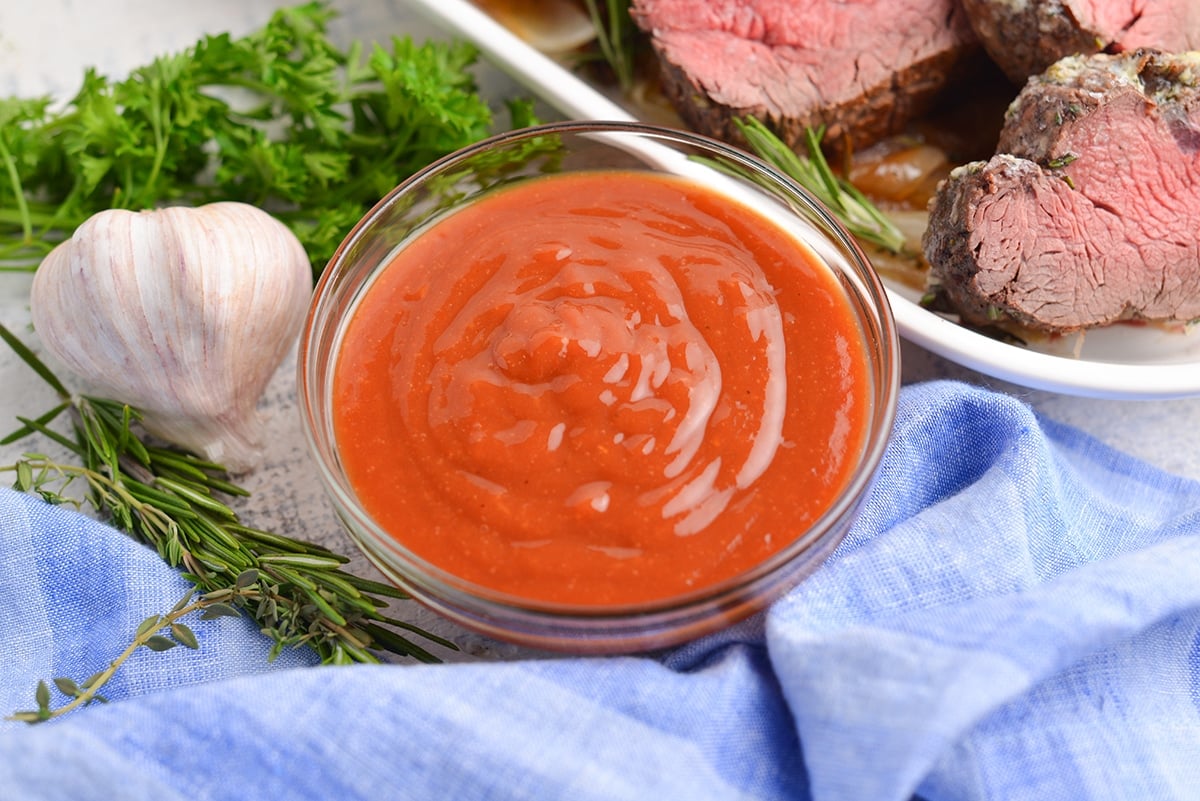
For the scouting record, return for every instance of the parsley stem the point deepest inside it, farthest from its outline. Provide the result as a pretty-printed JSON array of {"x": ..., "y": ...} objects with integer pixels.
[
  {"x": 14, "y": 178},
  {"x": 158, "y": 106}
]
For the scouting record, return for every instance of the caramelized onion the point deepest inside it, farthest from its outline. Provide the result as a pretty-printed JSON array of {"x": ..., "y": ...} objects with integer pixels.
[
  {"x": 552, "y": 26},
  {"x": 900, "y": 172}
]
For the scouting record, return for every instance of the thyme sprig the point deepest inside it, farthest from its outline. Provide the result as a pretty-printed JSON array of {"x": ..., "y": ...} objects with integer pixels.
[
  {"x": 171, "y": 500},
  {"x": 860, "y": 216},
  {"x": 156, "y": 633}
]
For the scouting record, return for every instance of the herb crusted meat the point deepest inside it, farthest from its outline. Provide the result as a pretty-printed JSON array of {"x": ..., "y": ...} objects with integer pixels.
[
  {"x": 1024, "y": 38},
  {"x": 862, "y": 69},
  {"x": 1090, "y": 212}
]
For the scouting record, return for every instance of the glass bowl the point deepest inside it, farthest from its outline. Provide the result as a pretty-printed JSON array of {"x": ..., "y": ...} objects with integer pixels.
[{"x": 639, "y": 600}]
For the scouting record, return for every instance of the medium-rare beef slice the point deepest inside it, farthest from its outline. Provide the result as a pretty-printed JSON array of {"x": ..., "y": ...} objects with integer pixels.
[
  {"x": 1024, "y": 38},
  {"x": 862, "y": 69},
  {"x": 1090, "y": 213}
]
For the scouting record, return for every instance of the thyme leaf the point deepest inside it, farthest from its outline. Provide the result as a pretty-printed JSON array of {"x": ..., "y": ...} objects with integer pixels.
[
  {"x": 149, "y": 635},
  {"x": 1066, "y": 159}
]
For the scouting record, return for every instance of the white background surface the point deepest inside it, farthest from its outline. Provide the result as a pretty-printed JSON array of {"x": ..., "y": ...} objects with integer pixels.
[{"x": 44, "y": 47}]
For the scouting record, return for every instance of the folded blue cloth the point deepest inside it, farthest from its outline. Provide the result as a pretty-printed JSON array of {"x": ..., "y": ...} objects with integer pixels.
[{"x": 1014, "y": 616}]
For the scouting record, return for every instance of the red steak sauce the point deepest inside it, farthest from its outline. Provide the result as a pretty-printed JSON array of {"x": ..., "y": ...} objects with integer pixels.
[{"x": 600, "y": 388}]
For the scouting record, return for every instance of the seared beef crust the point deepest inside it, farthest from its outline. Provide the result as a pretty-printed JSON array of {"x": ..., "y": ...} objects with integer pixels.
[{"x": 1024, "y": 38}]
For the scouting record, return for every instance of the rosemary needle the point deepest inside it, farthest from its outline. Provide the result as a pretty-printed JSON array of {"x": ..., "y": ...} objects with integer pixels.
[
  {"x": 860, "y": 216},
  {"x": 615, "y": 38},
  {"x": 298, "y": 593}
]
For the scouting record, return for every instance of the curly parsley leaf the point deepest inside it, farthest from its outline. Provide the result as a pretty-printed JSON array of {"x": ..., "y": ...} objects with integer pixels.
[{"x": 282, "y": 118}]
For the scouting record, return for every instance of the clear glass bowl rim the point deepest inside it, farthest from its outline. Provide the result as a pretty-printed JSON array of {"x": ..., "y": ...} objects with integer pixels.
[{"x": 476, "y": 605}]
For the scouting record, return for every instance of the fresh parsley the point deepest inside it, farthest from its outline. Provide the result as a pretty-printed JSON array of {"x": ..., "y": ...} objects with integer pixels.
[{"x": 282, "y": 118}]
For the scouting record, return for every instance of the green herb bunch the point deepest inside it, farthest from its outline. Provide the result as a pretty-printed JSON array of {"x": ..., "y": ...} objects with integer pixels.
[
  {"x": 281, "y": 118},
  {"x": 299, "y": 594}
]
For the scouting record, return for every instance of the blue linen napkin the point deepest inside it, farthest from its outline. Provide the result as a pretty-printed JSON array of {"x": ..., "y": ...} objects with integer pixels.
[{"x": 1016, "y": 615}]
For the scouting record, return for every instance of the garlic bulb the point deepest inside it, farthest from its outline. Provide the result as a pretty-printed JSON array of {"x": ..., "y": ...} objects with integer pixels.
[{"x": 183, "y": 313}]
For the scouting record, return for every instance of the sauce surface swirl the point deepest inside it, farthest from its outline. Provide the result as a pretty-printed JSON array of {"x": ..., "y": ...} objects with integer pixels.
[{"x": 600, "y": 388}]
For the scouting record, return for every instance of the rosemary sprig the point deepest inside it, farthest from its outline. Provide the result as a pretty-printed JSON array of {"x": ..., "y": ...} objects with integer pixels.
[
  {"x": 300, "y": 594},
  {"x": 860, "y": 216},
  {"x": 615, "y": 38}
]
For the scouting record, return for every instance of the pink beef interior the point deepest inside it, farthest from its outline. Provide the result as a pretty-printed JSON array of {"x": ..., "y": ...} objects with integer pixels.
[
  {"x": 1108, "y": 18},
  {"x": 1119, "y": 240},
  {"x": 1172, "y": 25},
  {"x": 786, "y": 56}
]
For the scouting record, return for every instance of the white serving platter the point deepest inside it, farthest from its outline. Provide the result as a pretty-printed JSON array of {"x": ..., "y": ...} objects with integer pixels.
[{"x": 1119, "y": 362}]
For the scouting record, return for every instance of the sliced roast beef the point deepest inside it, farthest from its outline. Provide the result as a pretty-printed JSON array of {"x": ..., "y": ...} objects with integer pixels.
[
  {"x": 862, "y": 69},
  {"x": 1024, "y": 38},
  {"x": 1090, "y": 214}
]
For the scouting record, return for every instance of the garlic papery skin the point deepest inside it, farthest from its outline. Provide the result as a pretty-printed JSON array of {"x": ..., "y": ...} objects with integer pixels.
[{"x": 184, "y": 313}]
